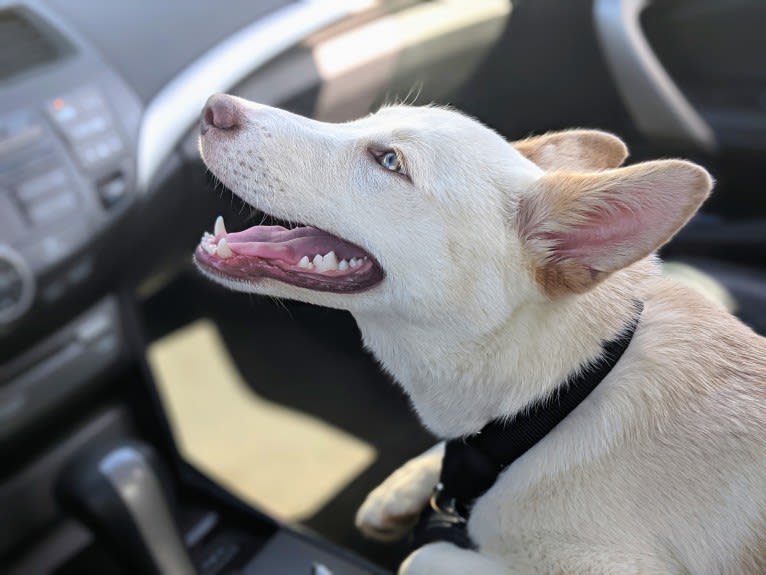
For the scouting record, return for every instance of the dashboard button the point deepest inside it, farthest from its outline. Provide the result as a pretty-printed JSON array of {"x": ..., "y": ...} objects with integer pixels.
[
  {"x": 88, "y": 127},
  {"x": 62, "y": 111},
  {"x": 113, "y": 190},
  {"x": 34, "y": 161},
  {"x": 52, "y": 207},
  {"x": 41, "y": 185},
  {"x": 80, "y": 272},
  {"x": 74, "y": 106},
  {"x": 96, "y": 151},
  {"x": 53, "y": 291},
  {"x": 54, "y": 246}
]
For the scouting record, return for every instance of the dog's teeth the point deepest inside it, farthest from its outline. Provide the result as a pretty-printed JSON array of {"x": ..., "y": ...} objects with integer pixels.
[
  {"x": 331, "y": 261},
  {"x": 304, "y": 263},
  {"x": 343, "y": 265},
  {"x": 328, "y": 262},
  {"x": 354, "y": 263},
  {"x": 220, "y": 228},
  {"x": 224, "y": 251},
  {"x": 209, "y": 248},
  {"x": 318, "y": 260}
]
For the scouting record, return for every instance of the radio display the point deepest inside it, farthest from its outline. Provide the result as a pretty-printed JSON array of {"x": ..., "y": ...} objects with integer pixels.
[{"x": 26, "y": 45}]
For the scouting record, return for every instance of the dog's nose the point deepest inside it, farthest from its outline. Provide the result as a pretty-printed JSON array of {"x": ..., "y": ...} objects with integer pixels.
[{"x": 222, "y": 112}]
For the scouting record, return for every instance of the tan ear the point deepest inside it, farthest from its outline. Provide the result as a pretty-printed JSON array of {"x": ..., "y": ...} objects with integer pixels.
[
  {"x": 580, "y": 227},
  {"x": 574, "y": 150}
]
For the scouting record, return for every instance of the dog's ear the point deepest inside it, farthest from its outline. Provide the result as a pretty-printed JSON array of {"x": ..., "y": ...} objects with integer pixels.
[
  {"x": 574, "y": 150},
  {"x": 580, "y": 227}
]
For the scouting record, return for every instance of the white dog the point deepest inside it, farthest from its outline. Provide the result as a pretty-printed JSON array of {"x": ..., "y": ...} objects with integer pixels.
[{"x": 482, "y": 274}]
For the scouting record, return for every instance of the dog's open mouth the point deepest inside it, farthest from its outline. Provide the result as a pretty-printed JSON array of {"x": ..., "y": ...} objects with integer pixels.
[{"x": 303, "y": 256}]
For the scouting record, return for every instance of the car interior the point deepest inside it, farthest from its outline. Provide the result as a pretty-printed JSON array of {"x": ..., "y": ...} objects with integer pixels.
[{"x": 153, "y": 422}]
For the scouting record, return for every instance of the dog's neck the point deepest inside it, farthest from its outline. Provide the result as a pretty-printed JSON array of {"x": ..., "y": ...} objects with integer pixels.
[{"x": 459, "y": 385}]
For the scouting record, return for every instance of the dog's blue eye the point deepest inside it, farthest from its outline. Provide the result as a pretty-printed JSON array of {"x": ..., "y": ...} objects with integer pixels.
[{"x": 391, "y": 161}]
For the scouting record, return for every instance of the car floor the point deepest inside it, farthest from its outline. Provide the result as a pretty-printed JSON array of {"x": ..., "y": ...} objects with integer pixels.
[{"x": 279, "y": 402}]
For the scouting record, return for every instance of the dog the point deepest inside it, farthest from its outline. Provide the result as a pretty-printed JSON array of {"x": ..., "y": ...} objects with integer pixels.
[{"x": 481, "y": 274}]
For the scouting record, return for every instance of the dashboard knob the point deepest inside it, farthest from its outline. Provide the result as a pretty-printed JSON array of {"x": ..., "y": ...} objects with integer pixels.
[{"x": 17, "y": 285}]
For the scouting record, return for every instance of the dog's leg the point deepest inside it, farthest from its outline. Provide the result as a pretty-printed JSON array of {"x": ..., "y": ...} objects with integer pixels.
[
  {"x": 448, "y": 559},
  {"x": 392, "y": 508}
]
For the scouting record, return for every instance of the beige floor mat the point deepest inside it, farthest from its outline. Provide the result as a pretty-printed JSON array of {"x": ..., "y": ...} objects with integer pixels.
[{"x": 279, "y": 459}]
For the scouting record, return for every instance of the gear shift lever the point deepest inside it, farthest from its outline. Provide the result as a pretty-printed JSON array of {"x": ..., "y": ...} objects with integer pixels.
[{"x": 119, "y": 493}]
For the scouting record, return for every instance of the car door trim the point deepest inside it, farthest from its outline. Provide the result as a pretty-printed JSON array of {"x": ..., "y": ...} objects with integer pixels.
[{"x": 655, "y": 102}]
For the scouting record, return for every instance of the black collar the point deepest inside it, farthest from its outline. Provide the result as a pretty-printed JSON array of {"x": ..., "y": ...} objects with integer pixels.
[{"x": 472, "y": 464}]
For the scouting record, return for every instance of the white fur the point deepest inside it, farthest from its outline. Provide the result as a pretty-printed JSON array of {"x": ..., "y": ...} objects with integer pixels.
[
  {"x": 439, "y": 558},
  {"x": 660, "y": 470}
]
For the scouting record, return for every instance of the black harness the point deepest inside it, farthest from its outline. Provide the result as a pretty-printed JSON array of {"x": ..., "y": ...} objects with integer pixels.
[{"x": 472, "y": 464}]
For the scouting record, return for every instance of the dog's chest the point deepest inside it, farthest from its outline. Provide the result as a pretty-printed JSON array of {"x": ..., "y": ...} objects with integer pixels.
[
  {"x": 529, "y": 515},
  {"x": 635, "y": 499},
  {"x": 513, "y": 509}
]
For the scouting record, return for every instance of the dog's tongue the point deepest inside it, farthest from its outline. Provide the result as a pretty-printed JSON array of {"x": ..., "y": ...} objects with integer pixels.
[
  {"x": 287, "y": 245},
  {"x": 271, "y": 234},
  {"x": 305, "y": 257}
]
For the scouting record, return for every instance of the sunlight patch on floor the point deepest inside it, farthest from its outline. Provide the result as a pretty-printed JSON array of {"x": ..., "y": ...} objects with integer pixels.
[{"x": 281, "y": 460}]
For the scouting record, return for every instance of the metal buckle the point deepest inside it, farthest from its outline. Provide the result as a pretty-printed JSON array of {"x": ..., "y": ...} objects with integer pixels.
[{"x": 448, "y": 508}]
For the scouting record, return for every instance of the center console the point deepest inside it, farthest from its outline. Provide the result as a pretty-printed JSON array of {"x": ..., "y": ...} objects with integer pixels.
[{"x": 125, "y": 493}]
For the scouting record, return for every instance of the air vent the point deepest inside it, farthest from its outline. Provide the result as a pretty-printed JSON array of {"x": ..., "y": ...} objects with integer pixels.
[{"x": 26, "y": 44}]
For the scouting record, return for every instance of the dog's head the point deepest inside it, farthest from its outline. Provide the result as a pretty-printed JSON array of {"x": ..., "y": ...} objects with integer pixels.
[{"x": 423, "y": 211}]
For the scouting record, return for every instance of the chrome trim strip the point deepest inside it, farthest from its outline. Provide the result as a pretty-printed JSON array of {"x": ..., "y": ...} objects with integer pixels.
[
  {"x": 655, "y": 103},
  {"x": 173, "y": 111}
]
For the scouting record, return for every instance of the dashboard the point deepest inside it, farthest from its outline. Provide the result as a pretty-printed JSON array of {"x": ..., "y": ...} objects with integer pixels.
[{"x": 66, "y": 158}]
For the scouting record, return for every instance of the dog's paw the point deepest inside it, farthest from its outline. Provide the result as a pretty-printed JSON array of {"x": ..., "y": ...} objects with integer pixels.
[
  {"x": 382, "y": 523},
  {"x": 392, "y": 508}
]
